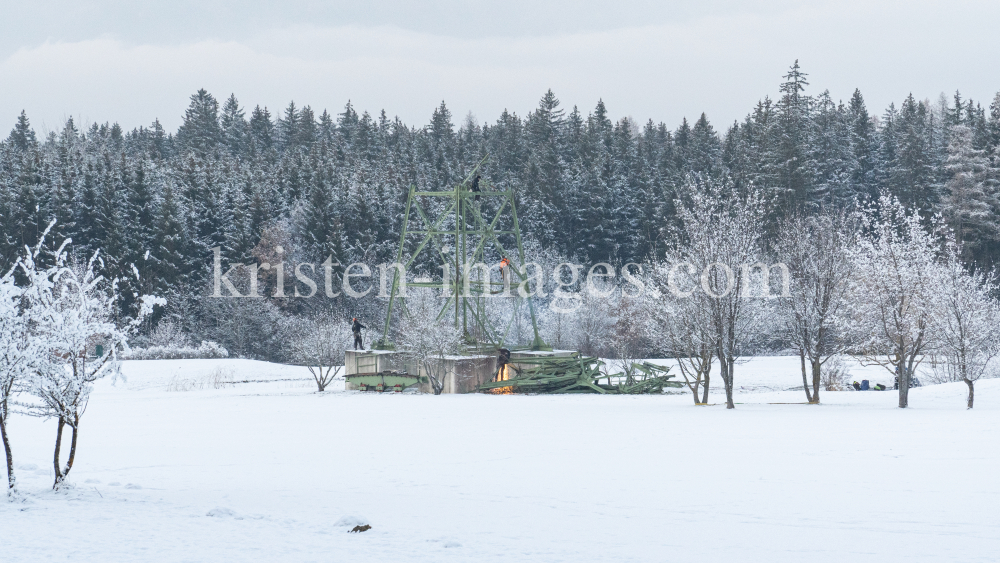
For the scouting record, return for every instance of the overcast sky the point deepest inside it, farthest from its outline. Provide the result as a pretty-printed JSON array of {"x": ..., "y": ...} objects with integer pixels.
[{"x": 131, "y": 61}]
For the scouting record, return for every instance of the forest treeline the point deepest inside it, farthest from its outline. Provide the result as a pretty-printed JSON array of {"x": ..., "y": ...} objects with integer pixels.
[{"x": 588, "y": 188}]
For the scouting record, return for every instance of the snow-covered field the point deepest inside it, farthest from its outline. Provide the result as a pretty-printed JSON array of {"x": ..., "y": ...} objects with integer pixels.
[{"x": 186, "y": 462}]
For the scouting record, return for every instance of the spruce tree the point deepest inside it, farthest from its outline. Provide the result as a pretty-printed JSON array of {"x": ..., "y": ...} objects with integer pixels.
[
  {"x": 864, "y": 145},
  {"x": 261, "y": 130},
  {"x": 969, "y": 201},
  {"x": 234, "y": 126},
  {"x": 288, "y": 128},
  {"x": 793, "y": 135},
  {"x": 22, "y": 136},
  {"x": 201, "y": 132},
  {"x": 913, "y": 171}
]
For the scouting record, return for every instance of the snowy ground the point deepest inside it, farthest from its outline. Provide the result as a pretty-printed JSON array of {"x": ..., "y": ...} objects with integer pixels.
[{"x": 180, "y": 464}]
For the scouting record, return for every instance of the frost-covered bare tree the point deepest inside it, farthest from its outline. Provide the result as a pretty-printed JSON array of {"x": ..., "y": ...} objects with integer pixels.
[
  {"x": 683, "y": 326},
  {"x": 627, "y": 332},
  {"x": 17, "y": 351},
  {"x": 894, "y": 288},
  {"x": 320, "y": 345},
  {"x": 720, "y": 254},
  {"x": 816, "y": 251},
  {"x": 592, "y": 324},
  {"x": 967, "y": 326},
  {"x": 425, "y": 339},
  {"x": 71, "y": 311}
]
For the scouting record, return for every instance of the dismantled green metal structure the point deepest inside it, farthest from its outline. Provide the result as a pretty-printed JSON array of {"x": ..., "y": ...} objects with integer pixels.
[
  {"x": 457, "y": 228},
  {"x": 468, "y": 225},
  {"x": 383, "y": 381},
  {"x": 577, "y": 374}
]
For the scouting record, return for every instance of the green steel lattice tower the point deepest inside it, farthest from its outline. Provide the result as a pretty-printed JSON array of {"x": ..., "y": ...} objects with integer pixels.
[{"x": 456, "y": 228}]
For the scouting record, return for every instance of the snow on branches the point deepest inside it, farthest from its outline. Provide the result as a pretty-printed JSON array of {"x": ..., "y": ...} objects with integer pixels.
[
  {"x": 896, "y": 288},
  {"x": 320, "y": 346},
  {"x": 966, "y": 324},
  {"x": 717, "y": 260},
  {"x": 424, "y": 338},
  {"x": 815, "y": 250},
  {"x": 70, "y": 312},
  {"x": 17, "y": 352}
]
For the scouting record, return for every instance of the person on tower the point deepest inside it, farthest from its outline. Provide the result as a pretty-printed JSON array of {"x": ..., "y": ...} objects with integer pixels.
[
  {"x": 475, "y": 186},
  {"x": 356, "y": 329}
]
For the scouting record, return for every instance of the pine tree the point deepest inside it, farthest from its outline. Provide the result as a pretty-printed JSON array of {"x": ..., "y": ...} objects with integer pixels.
[
  {"x": 168, "y": 255},
  {"x": 22, "y": 137},
  {"x": 626, "y": 196},
  {"x": 993, "y": 146},
  {"x": 201, "y": 133},
  {"x": 261, "y": 130},
  {"x": 308, "y": 130},
  {"x": 969, "y": 202},
  {"x": 793, "y": 134},
  {"x": 704, "y": 150},
  {"x": 159, "y": 141},
  {"x": 831, "y": 150},
  {"x": 913, "y": 171},
  {"x": 288, "y": 128},
  {"x": 234, "y": 126},
  {"x": 66, "y": 169},
  {"x": 545, "y": 166},
  {"x": 864, "y": 144}
]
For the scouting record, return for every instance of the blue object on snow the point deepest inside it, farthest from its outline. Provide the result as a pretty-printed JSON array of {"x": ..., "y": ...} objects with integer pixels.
[{"x": 864, "y": 385}]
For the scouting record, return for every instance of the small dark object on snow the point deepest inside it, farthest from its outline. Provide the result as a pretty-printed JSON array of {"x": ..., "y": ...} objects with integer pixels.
[
  {"x": 879, "y": 387},
  {"x": 364, "y": 528},
  {"x": 856, "y": 385},
  {"x": 864, "y": 385}
]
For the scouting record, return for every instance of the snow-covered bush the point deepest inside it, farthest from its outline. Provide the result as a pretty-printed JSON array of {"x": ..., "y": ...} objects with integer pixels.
[
  {"x": 319, "y": 345},
  {"x": 71, "y": 311},
  {"x": 168, "y": 334},
  {"x": 966, "y": 323},
  {"x": 17, "y": 352},
  {"x": 206, "y": 350},
  {"x": 426, "y": 340},
  {"x": 835, "y": 374}
]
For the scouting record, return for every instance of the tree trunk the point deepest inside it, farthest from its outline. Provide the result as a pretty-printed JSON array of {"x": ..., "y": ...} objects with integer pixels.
[
  {"x": 437, "y": 385},
  {"x": 903, "y": 375},
  {"x": 55, "y": 457},
  {"x": 972, "y": 391},
  {"x": 726, "y": 369},
  {"x": 72, "y": 449},
  {"x": 805, "y": 382},
  {"x": 817, "y": 376},
  {"x": 693, "y": 388},
  {"x": 62, "y": 474},
  {"x": 11, "y": 483},
  {"x": 704, "y": 389}
]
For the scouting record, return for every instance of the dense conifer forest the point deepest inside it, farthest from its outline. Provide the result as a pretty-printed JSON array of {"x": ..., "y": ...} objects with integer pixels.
[{"x": 589, "y": 189}]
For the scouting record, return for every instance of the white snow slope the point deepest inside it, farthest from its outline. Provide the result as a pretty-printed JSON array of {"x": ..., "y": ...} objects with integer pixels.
[{"x": 171, "y": 468}]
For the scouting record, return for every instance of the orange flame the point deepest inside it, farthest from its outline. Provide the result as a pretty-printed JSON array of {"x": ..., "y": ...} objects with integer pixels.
[{"x": 503, "y": 375}]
